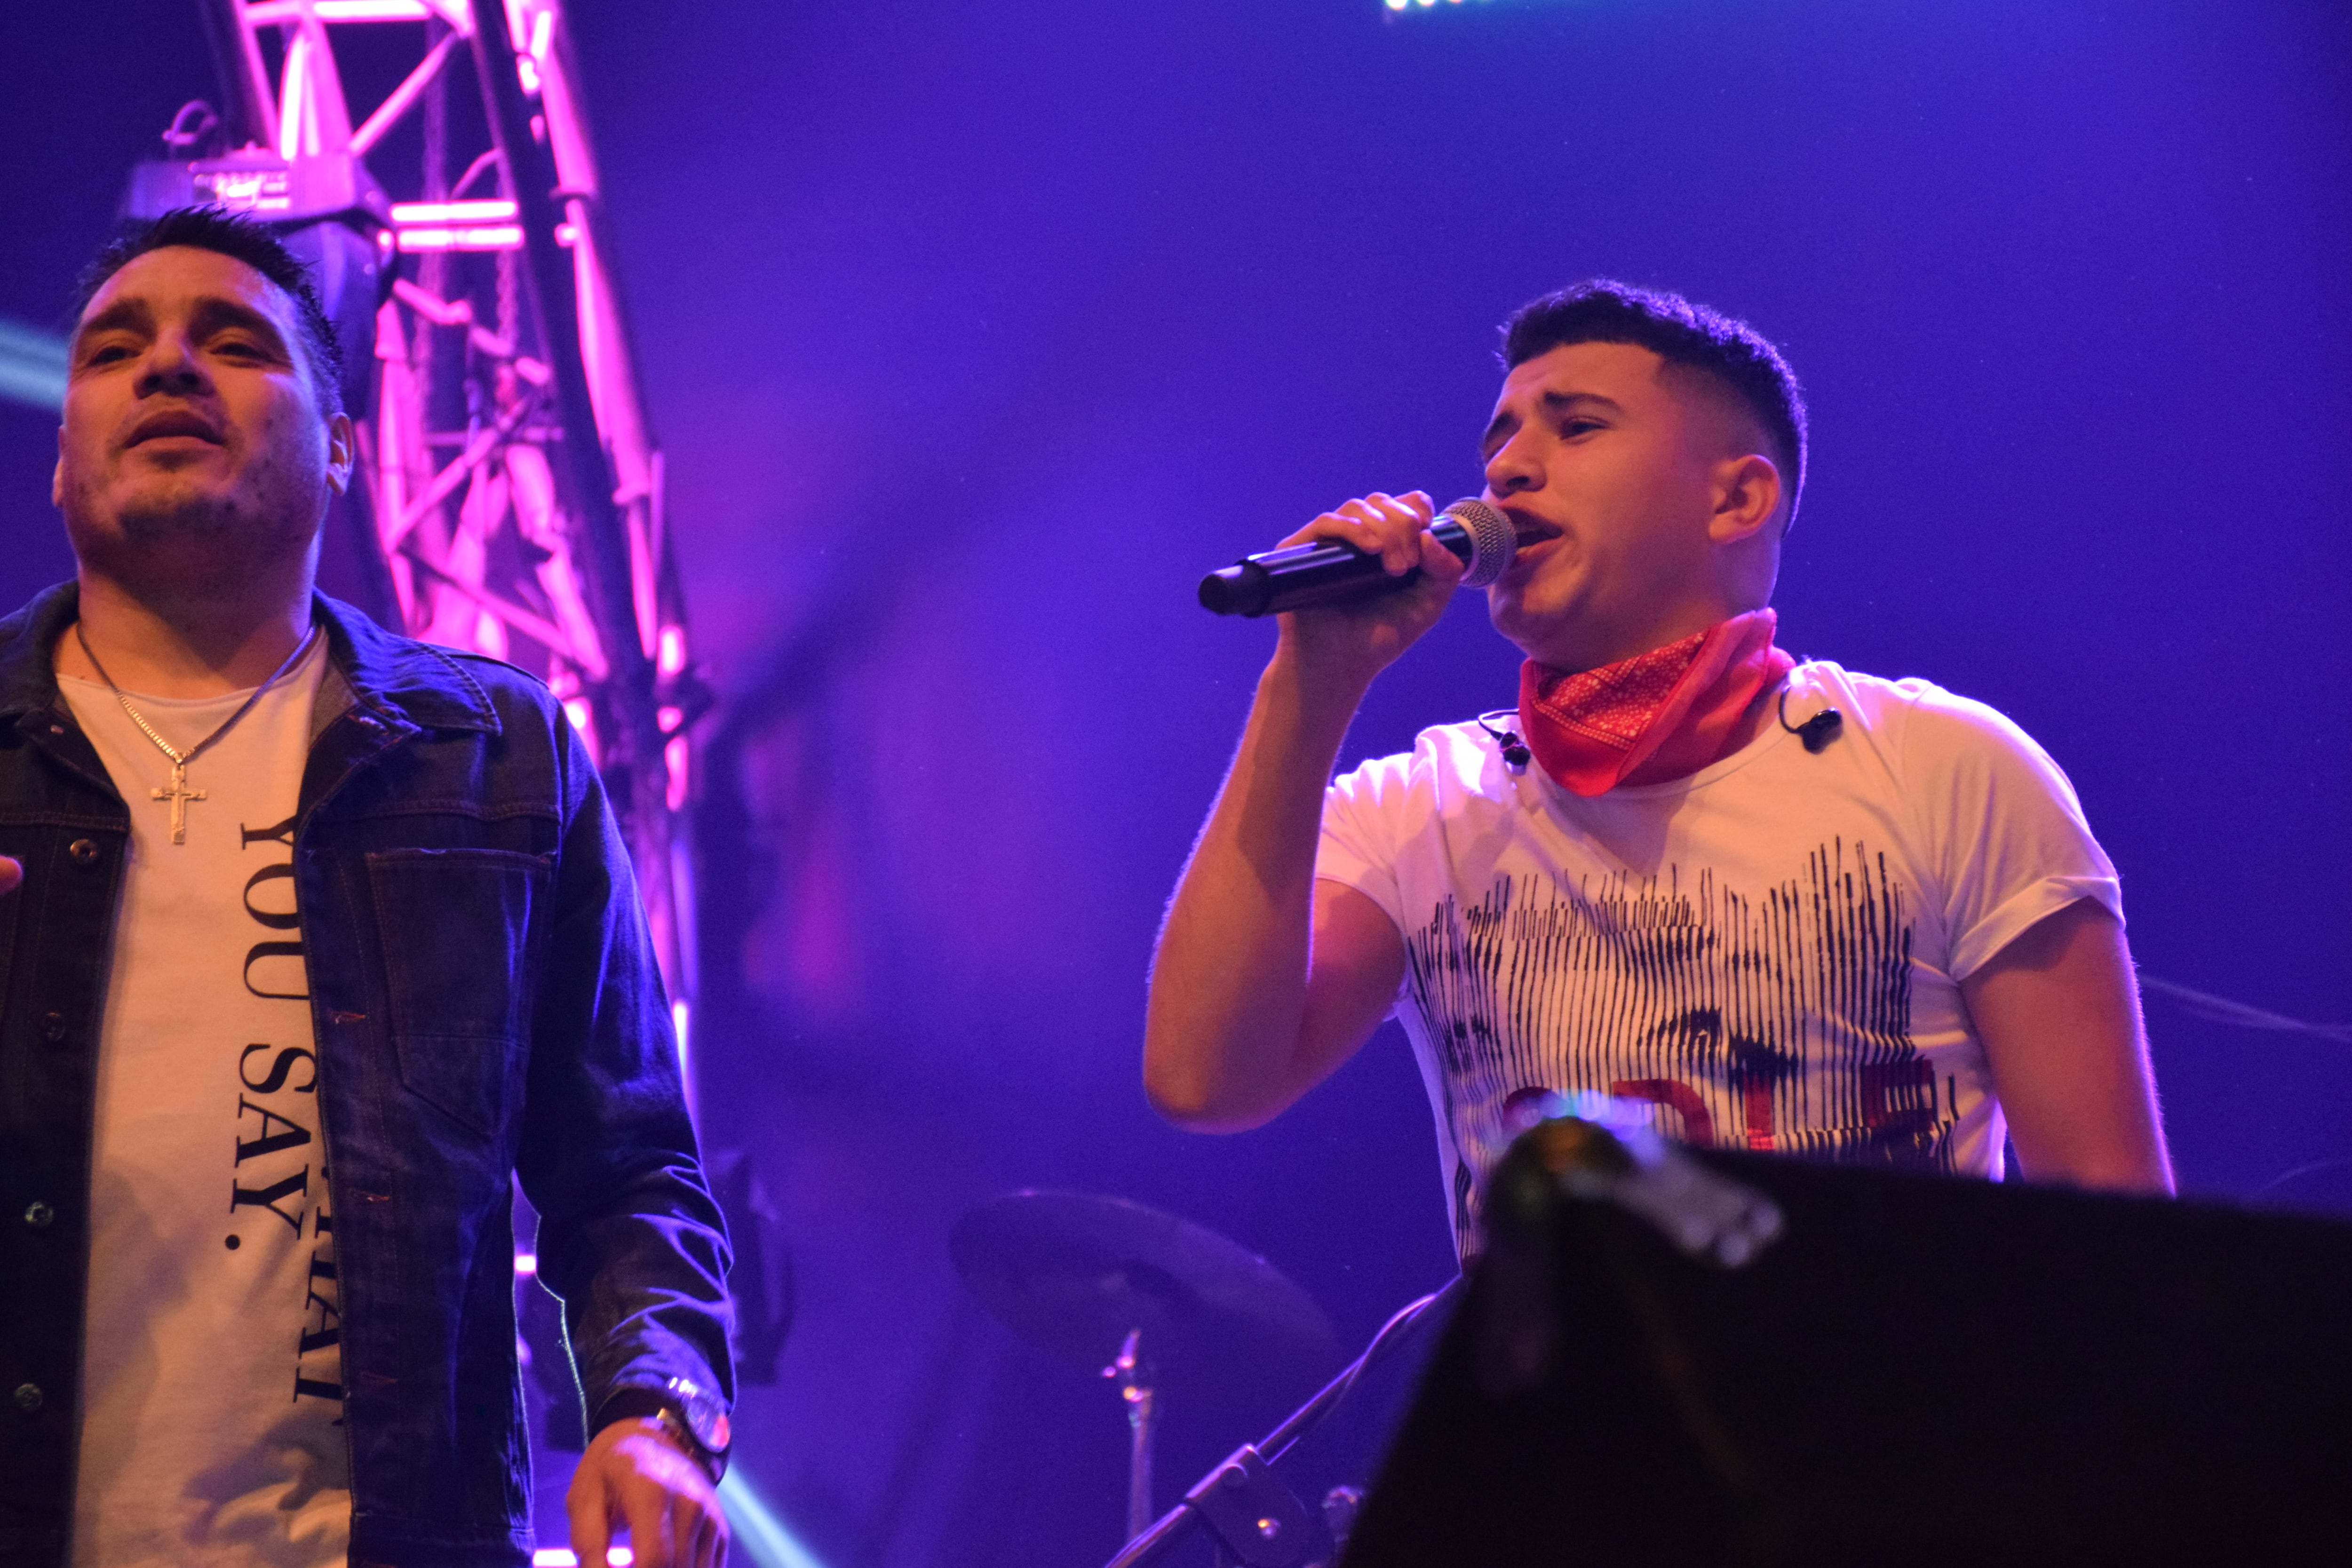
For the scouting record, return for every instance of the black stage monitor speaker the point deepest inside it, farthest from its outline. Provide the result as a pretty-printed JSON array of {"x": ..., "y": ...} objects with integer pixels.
[{"x": 1879, "y": 1368}]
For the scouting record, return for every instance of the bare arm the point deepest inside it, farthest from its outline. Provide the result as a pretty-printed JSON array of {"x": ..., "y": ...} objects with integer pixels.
[
  {"x": 1265, "y": 980},
  {"x": 2058, "y": 1011}
]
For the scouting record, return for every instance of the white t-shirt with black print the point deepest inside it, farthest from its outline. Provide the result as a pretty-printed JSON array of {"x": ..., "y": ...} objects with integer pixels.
[
  {"x": 1770, "y": 951},
  {"x": 212, "y": 1428}
]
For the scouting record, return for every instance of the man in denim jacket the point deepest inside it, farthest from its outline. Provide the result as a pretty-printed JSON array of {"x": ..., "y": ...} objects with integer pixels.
[{"x": 341, "y": 921}]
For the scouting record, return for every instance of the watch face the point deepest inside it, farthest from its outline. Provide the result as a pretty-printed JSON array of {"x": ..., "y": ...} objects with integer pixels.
[{"x": 704, "y": 1413}]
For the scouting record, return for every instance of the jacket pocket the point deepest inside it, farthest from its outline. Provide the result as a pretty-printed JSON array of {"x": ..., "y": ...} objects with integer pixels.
[{"x": 458, "y": 929}]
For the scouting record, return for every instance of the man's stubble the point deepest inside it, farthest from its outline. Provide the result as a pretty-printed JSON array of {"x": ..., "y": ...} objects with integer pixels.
[{"x": 173, "y": 541}]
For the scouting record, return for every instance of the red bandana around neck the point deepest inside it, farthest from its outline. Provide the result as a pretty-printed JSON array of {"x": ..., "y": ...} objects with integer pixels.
[{"x": 1657, "y": 716}]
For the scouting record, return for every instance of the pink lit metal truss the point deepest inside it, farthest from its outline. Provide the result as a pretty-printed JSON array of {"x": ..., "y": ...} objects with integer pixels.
[{"x": 512, "y": 490}]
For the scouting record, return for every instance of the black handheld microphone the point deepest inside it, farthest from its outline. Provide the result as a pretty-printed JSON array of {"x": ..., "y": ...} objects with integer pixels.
[{"x": 1318, "y": 573}]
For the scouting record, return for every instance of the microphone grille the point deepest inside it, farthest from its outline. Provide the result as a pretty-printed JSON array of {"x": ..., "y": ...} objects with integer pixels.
[{"x": 1493, "y": 540}]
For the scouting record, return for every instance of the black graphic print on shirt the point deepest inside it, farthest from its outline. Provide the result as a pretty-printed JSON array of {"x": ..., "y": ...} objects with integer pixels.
[
  {"x": 1778, "y": 1021},
  {"x": 280, "y": 1160}
]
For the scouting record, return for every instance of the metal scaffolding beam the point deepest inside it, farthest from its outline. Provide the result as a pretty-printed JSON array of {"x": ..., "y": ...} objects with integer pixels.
[{"x": 511, "y": 498}]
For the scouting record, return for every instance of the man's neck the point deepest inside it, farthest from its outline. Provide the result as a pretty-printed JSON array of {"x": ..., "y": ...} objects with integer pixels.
[
  {"x": 1573, "y": 650},
  {"x": 187, "y": 648}
]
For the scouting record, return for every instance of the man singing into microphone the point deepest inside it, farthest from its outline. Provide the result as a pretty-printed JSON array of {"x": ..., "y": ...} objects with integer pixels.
[{"x": 1793, "y": 907}]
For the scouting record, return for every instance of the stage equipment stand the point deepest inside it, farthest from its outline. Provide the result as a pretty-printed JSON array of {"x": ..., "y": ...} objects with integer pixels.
[
  {"x": 508, "y": 499},
  {"x": 1252, "y": 1516},
  {"x": 1133, "y": 1375}
]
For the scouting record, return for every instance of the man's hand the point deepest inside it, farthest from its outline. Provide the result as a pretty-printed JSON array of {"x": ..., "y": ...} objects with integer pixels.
[
  {"x": 12, "y": 872},
  {"x": 1349, "y": 642},
  {"x": 1264, "y": 981},
  {"x": 635, "y": 1474}
]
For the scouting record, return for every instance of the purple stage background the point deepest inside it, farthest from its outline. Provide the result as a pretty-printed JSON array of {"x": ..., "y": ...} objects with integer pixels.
[{"x": 975, "y": 333}]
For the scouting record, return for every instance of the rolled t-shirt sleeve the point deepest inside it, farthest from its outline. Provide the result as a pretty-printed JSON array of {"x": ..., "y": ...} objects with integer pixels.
[
  {"x": 1366, "y": 815},
  {"x": 2001, "y": 825}
]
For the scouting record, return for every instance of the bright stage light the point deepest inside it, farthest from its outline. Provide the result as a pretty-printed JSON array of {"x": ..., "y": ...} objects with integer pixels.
[
  {"x": 488, "y": 236},
  {"x": 1418, "y": 5},
  {"x": 494, "y": 211}
]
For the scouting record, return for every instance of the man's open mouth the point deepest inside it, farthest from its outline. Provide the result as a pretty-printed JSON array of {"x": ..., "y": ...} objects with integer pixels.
[
  {"x": 1529, "y": 530},
  {"x": 161, "y": 427}
]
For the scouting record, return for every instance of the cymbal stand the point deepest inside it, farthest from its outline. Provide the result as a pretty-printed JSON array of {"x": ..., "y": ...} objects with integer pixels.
[
  {"x": 1257, "y": 1519},
  {"x": 1134, "y": 1377}
]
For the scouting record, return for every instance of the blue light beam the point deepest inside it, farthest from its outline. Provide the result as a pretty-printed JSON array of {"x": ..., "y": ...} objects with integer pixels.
[
  {"x": 32, "y": 366},
  {"x": 759, "y": 1533}
]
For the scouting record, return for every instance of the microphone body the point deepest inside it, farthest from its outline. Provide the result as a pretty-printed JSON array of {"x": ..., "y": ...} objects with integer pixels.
[{"x": 1322, "y": 573}]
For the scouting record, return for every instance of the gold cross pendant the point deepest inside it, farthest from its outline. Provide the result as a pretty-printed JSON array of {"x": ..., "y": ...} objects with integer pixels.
[{"x": 179, "y": 795}]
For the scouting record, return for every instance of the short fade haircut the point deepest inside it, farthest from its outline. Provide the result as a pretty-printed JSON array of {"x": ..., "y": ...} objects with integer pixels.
[
  {"x": 1600, "y": 310},
  {"x": 219, "y": 230}
]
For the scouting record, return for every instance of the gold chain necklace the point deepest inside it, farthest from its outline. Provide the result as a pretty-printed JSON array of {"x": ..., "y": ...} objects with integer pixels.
[{"x": 179, "y": 793}]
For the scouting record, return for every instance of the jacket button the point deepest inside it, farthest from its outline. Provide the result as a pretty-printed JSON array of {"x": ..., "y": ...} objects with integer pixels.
[
  {"x": 39, "y": 1215},
  {"x": 53, "y": 1028},
  {"x": 84, "y": 852},
  {"x": 29, "y": 1397}
]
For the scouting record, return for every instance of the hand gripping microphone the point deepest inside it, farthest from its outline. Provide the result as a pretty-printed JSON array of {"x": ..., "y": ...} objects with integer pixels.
[{"x": 1323, "y": 572}]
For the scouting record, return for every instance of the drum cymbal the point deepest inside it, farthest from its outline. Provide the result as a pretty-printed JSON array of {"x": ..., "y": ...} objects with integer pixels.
[{"x": 1072, "y": 1273}]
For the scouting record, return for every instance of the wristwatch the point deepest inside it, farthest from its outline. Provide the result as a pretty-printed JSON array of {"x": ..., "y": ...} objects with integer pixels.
[{"x": 694, "y": 1417}]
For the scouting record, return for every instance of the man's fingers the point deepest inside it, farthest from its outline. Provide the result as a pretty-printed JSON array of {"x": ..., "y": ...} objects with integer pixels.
[
  {"x": 592, "y": 1530},
  {"x": 1439, "y": 562},
  {"x": 1340, "y": 527},
  {"x": 1394, "y": 525},
  {"x": 689, "y": 1531},
  {"x": 652, "y": 1524},
  {"x": 1377, "y": 524},
  {"x": 685, "y": 1515},
  {"x": 648, "y": 1529},
  {"x": 12, "y": 871}
]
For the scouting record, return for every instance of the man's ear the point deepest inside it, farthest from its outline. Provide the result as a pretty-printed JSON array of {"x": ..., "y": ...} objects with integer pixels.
[
  {"x": 340, "y": 445},
  {"x": 58, "y": 474},
  {"x": 1746, "y": 497}
]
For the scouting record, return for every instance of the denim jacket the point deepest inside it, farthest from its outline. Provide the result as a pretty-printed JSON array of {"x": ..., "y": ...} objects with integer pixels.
[{"x": 485, "y": 1004}]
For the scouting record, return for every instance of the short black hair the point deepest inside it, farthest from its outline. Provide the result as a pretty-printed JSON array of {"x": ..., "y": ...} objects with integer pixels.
[
  {"x": 1601, "y": 310},
  {"x": 218, "y": 229}
]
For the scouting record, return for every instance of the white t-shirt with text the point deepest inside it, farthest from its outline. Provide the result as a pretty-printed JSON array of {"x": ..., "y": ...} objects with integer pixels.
[{"x": 212, "y": 1380}]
